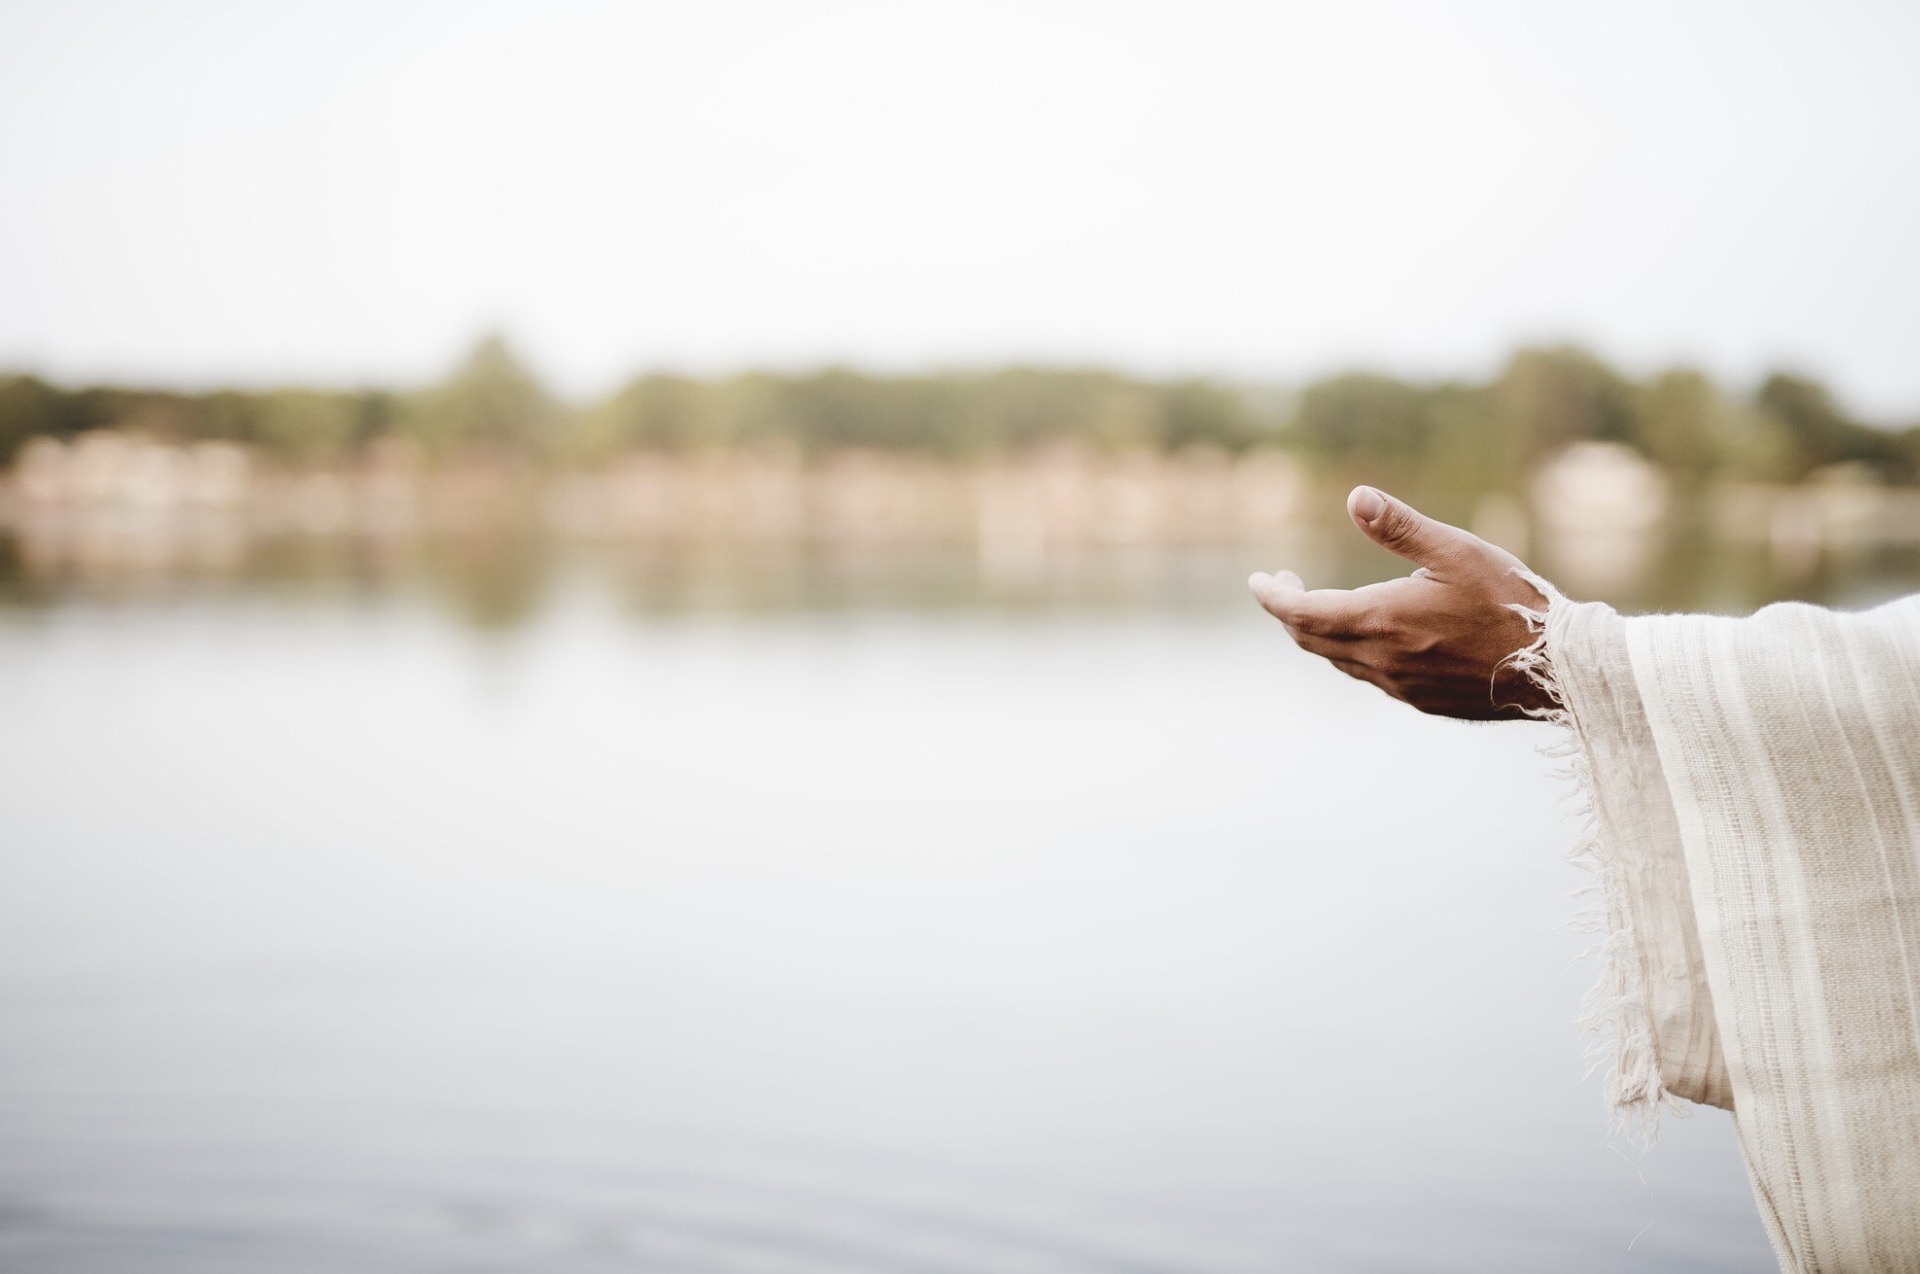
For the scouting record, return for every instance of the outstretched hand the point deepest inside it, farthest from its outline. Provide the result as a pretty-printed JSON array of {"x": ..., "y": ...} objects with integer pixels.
[{"x": 1441, "y": 639}]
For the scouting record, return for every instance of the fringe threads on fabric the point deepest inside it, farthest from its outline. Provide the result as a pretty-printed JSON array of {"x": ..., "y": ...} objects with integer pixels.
[{"x": 1615, "y": 1015}]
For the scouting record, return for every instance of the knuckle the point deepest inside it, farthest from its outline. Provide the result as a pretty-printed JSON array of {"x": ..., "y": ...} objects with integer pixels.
[
  {"x": 1353, "y": 621},
  {"x": 1452, "y": 558},
  {"x": 1381, "y": 626},
  {"x": 1281, "y": 611},
  {"x": 1303, "y": 639}
]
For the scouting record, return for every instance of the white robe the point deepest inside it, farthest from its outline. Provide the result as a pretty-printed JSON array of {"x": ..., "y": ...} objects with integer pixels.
[{"x": 1755, "y": 835}]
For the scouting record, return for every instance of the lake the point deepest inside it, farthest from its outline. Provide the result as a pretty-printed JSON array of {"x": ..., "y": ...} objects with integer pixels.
[{"x": 811, "y": 915}]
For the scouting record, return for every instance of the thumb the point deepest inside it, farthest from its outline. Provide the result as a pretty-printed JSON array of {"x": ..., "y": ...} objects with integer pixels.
[{"x": 1400, "y": 529}]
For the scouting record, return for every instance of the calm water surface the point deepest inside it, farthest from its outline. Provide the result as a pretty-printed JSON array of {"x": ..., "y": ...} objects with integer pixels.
[{"x": 338, "y": 933}]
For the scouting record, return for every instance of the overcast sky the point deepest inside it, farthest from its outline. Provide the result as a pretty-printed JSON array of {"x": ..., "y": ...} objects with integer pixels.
[{"x": 204, "y": 192}]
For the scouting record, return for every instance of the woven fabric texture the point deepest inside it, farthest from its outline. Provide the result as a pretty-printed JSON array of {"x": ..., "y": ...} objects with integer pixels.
[{"x": 1754, "y": 790}]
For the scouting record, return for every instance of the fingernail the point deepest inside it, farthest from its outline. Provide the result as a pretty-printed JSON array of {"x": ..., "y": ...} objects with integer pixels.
[{"x": 1368, "y": 503}]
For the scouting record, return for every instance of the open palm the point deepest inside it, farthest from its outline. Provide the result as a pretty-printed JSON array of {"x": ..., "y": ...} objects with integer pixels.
[{"x": 1441, "y": 639}]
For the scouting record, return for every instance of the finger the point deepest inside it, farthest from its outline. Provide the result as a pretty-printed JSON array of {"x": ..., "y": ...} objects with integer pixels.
[
  {"x": 1400, "y": 528},
  {"x": 1279, "y": 593},
  {"x": 1365, "y": 672},
  {"x": 1260, "y": 580},
  {"x": 1335, "y": 650},
  {"x": 1323, "y": 612},
  {"x": 1329, "y": 648}
]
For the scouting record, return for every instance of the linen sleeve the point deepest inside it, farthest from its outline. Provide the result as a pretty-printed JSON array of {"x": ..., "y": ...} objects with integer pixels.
[
  {"x": 1755, "y": 789},
  {"x": 1651, "y": 1013}
]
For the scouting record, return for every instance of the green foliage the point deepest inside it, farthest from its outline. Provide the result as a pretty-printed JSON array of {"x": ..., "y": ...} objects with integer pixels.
[
  {"x": 492, "y": 402},
  {"x": 1440, "y": 437},
  {"x": 306, "y": 423},
  {"x": 954, "y": 414},
  {"x": 1815, "y": 430},
  {"x": 1361, "y": 415},
  {"x": 1550, "y": 398},
  {"x": 28, "y": 407},
  {"x": 1678, "y": 420}
]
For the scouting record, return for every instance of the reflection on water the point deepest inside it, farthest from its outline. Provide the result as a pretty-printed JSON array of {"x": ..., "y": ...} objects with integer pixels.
[
  {"x": 502, "y": 579},
  {"x": 804, "y": 911}
]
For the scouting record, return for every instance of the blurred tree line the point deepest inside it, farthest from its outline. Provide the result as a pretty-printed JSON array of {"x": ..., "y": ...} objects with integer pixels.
[{"x": 1445, "y": 435}]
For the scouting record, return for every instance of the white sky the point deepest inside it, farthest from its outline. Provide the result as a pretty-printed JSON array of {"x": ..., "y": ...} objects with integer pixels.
[{"x": 199, "y": 192}]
